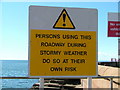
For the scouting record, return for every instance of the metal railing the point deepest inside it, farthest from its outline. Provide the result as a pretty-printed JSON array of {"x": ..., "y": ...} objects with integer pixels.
[{"x": 109, "y": 78}]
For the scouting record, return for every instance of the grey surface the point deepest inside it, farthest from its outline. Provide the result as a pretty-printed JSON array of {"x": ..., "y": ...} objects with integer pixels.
[
  {"x": 45, "y": 17},
  {"x": 113, "y": 16}
]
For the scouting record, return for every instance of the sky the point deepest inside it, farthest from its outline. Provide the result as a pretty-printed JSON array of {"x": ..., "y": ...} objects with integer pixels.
[
  {"x": 14, "y": 30},
  {"x": 60, "y": 1}
]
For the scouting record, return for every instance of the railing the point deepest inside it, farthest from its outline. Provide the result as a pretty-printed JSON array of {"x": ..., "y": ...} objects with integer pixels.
[{"x": 110, "y": 78}]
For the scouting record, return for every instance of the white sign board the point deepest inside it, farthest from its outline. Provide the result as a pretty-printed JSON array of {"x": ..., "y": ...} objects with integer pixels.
[
  {"x": 63, "y": 41},
  {"x": 45, "y": 17}
]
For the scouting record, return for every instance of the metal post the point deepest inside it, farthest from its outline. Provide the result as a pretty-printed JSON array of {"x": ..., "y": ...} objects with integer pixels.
[
  {"x": 111, "y": 83},
  {"x": 118, "y": 50},
  {"x": 89, "y": 83},
  {"x": 41, "y": 87}
]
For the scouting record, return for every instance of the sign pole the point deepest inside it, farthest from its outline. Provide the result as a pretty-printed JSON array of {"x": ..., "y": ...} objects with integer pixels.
[
  {"x": 41, "y": 86},
  {"x": 118, "y": 49},
  {"x": 89, "y": 83}
]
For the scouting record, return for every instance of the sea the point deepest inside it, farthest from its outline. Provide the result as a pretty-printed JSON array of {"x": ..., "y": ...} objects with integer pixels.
[{"x": 16, "y": 68}]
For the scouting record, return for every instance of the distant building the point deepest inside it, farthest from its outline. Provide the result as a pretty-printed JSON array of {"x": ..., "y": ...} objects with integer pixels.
[{"x": 114, "y": 60}]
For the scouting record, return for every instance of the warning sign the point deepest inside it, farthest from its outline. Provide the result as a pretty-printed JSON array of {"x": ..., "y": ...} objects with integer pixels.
[
  {"x": 64, "y": 21},
  {"x": 62, "y": 53},
  {"x": 62, "y": 41},
  {"x": 113, "y": 25}
]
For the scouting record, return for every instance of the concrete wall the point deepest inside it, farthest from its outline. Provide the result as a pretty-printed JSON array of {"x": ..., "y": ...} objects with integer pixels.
[
  {"x": 99, "y": 83},
  {"x": 103, "y": 83}
]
